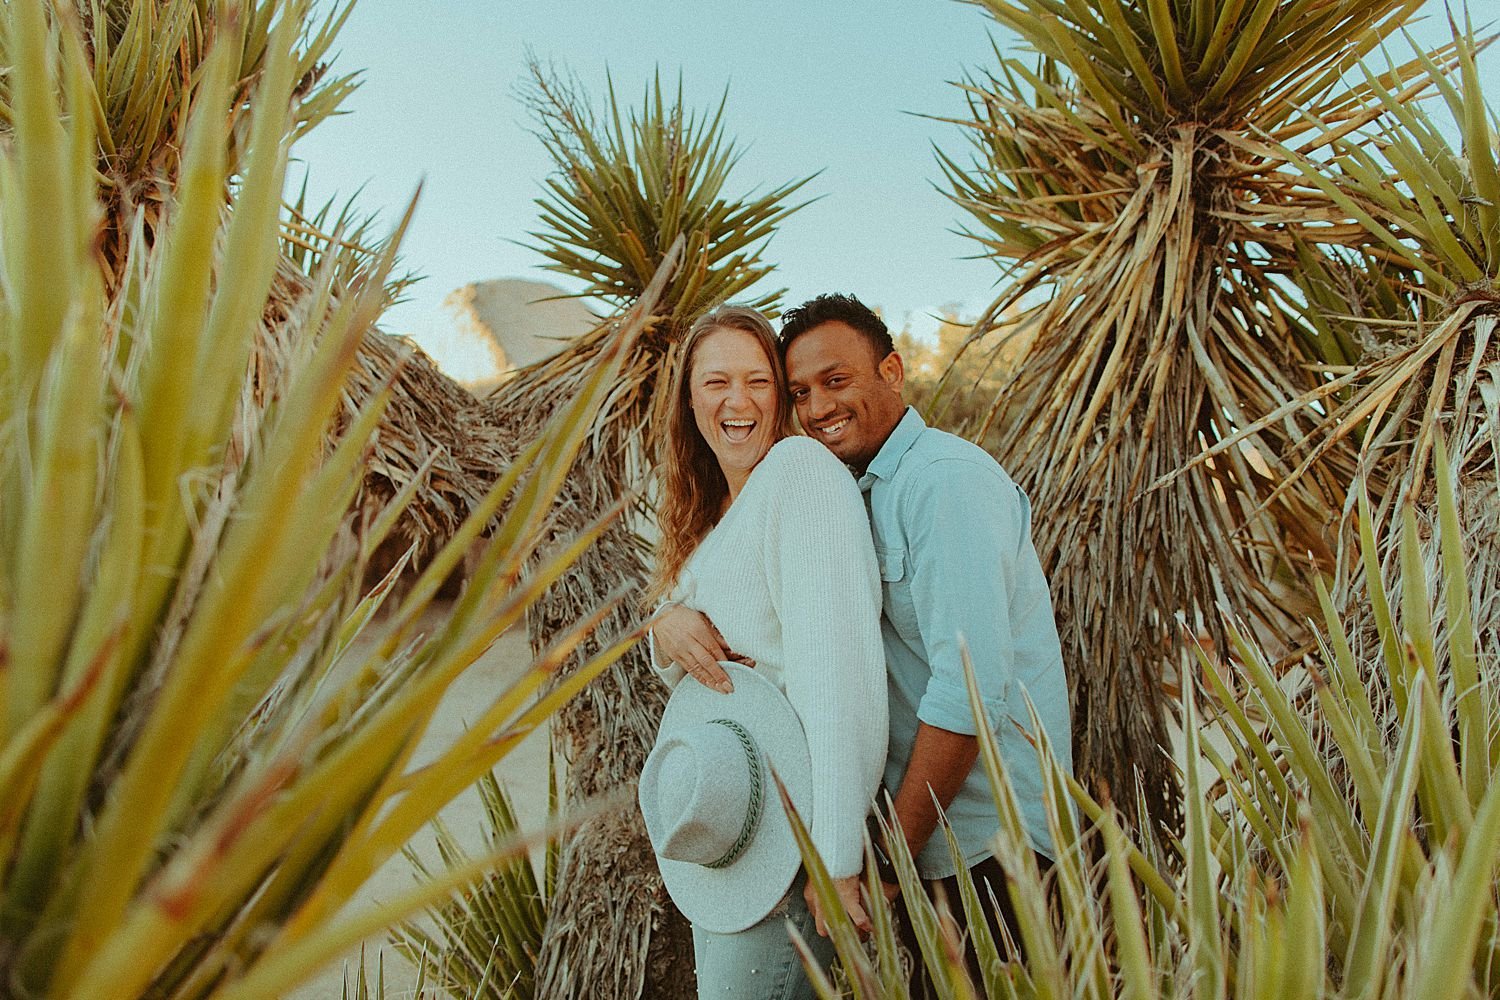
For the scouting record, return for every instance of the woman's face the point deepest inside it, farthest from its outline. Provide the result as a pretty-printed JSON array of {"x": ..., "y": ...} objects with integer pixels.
[{"x": 733, "y": 395}]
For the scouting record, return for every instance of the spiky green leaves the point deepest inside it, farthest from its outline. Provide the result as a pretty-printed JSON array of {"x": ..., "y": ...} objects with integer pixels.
[
  {"x": 1420, "y": 201},
  {"x": 632, "y": 181},
  {"x": 198, "y": 763},
  {"x": 483, "y": 944},
  {"x": 1323, "y": 860},
  {"x": 145, "y": 75},
  {"x": 1139, "y": 192},
  {"x": 1151, "y": 63}
]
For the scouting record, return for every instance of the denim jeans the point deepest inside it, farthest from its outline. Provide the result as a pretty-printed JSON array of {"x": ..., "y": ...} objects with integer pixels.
[{"x": 760, "y": 962}]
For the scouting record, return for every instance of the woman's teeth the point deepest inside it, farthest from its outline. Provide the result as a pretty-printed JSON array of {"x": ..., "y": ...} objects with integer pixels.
[{"x": 737, "y": 430}]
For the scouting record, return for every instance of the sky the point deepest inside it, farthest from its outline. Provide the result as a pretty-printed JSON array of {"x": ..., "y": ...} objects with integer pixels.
[{"x": 813, "y": 87}]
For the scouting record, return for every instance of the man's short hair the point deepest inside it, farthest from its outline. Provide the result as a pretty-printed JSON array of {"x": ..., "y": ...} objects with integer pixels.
[{"x": 836, "y": 307}]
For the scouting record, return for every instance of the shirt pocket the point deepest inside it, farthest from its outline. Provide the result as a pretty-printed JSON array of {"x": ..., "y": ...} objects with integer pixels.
[{"x": 895, "y": 592}]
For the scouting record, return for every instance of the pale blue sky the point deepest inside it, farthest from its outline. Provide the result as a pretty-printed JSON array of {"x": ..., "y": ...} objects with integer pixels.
[{"x": 813, "y": 85}]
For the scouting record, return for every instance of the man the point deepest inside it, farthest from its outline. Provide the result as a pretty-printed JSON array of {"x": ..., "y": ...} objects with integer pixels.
[{"x": 953, "y": 537}]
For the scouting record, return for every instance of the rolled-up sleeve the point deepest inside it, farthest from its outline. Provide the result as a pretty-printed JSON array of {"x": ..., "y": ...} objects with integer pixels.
[{"x": 964, "y": 526}]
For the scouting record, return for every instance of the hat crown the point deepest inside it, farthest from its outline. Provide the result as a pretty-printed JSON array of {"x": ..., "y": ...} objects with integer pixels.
[{"x": 703, "y": 792}]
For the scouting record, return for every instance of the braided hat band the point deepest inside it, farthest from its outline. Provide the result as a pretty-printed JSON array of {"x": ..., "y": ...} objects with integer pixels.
[{"x": 757, "y": 795}]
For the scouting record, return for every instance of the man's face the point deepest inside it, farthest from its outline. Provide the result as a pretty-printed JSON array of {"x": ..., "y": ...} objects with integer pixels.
[{"x": 845, "y": 396}]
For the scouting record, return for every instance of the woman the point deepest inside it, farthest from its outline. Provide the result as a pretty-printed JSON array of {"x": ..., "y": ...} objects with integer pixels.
[{"x": 766, "y": 534}]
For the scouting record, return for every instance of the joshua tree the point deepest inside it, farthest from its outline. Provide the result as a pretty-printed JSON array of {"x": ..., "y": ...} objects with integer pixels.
[
  {"x": 1132, "y": 182},
  {"x": 1417, "y": 306}
]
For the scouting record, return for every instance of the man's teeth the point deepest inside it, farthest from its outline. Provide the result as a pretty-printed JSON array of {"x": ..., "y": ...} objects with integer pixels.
[{"x": 834, "y": 428}]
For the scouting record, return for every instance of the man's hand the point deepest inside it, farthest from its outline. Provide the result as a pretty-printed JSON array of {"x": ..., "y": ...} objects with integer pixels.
[
  {"x": 849, "y": 898},
  {"x": 688, "y": 639}
]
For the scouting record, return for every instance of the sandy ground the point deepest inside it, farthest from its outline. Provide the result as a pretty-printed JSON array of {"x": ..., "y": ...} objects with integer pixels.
[{"x": 523, "y": 773}]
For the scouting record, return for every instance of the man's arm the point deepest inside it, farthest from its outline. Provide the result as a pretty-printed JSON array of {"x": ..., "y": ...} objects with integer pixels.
[{"x": 940, "y": 762}]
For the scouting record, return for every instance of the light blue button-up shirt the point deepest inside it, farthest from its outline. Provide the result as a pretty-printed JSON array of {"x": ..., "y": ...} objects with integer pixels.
[{"x": 953, "y": 537}]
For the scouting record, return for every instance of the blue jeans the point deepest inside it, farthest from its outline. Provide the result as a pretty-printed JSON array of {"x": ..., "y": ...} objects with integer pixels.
[{"x": 760, "y": 962}]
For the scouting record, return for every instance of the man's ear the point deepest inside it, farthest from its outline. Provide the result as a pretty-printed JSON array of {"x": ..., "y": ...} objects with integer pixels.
[{"x": 892, "y": 371}]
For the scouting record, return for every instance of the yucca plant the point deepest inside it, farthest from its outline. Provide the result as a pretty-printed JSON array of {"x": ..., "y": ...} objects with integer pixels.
[
  {"x": 1428, "y": 279},
  {"x": 356, "y": 985},
  {"x": 1321, "y": 860},
  {"x": 346, "y": 240},
  {"x": 629, "y": 183},
  {"x": 483, "y": 944},
  {"x": 144, "y": 74},
  {"x": 197, "y": 766},
  {"x": 1130, "y": 186}
]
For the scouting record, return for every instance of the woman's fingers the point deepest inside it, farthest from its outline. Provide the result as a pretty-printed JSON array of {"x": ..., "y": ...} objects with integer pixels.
[
  {"x": 849, "y": 895},
  {"x": 701, "y": 662},
  {"x": 687, "y": 638},
  {"x": 861, "y": 919},
  {"x": 815, "y": 907},
  {"x": 702, "y": 652},
  {"x": 711, "y": 673}
]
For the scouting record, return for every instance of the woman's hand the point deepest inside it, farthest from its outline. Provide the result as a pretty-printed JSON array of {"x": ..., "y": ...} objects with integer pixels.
[
  {"x": 849, "y": 897},
  {"x": 688, "y": 639}
]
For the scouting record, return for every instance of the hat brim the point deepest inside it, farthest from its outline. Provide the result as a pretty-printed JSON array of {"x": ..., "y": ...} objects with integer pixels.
[{"x": 739, "y": 895}]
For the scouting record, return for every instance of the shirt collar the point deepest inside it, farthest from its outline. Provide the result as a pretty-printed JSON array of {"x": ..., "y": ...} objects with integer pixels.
[{"x": 888, "y": 458}]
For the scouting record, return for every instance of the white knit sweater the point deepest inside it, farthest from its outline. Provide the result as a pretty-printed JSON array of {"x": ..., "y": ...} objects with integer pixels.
[{"x": 789, "y": 577}]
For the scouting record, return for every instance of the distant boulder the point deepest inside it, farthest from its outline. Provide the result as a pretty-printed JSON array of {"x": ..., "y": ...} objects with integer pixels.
[{"x": 519, "y": 322}]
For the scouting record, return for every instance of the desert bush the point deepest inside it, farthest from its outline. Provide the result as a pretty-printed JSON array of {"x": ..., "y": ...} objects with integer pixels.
[{"x": 483, "y": 943}]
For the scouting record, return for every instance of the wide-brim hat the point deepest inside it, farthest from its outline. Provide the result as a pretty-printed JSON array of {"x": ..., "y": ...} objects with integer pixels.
[{"x": 722, "y": 839}]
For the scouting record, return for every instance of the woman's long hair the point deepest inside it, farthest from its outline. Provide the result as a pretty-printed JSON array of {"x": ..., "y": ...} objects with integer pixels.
[{"x": 693, "y": 487}]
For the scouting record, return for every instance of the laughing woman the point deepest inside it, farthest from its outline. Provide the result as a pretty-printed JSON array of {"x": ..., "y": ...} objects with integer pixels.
[{"x": 765, "y": 533}]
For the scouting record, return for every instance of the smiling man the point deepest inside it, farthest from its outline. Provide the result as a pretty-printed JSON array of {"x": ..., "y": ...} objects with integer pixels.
[{"x": 953, "y": 538}]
